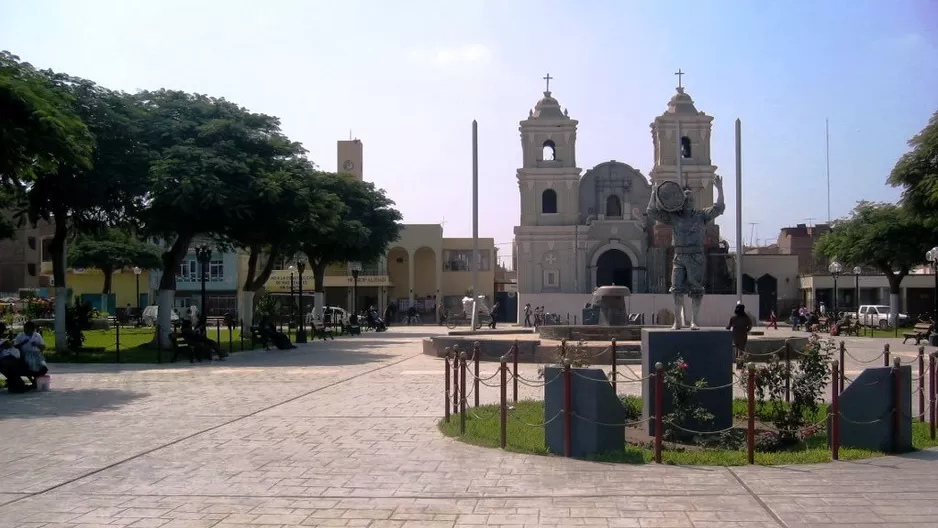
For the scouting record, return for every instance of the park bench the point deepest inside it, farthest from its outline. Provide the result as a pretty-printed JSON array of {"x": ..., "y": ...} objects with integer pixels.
[
  {"x": 919, "y": 331},
  {"x": 258, "y": 337},
  {"x": 179, "y": 344},
  {"x": 320, "y": 331},
  {"x": 850, "y": 327}
]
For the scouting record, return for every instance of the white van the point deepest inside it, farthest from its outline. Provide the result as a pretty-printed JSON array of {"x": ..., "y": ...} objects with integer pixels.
[{"x": 151, "y": 315}]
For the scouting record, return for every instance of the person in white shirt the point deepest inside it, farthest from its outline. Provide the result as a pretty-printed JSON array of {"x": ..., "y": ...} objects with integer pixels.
[{"x": 23, "y": 358}]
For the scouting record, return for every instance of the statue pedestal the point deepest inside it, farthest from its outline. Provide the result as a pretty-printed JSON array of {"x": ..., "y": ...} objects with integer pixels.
[{"x": 708, "y": 353}]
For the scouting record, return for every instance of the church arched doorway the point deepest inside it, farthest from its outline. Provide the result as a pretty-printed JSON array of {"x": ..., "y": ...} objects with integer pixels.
[{"x": 614, "y": 267}]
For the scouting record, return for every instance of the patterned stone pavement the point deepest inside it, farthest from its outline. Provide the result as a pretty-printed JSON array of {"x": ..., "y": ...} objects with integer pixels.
[{"x": 343, "y": 434}]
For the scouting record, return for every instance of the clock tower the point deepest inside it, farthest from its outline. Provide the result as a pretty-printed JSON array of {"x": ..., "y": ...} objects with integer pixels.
[{"x": 350, "y": 157}]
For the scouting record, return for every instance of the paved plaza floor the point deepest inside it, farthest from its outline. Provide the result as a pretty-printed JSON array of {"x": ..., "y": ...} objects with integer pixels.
[{"x": 343, "y": 433}]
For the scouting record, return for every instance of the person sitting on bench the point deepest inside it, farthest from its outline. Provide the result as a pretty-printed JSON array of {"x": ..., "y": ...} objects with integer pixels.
[
  {"x": 23, "y": 358},
  {"x": 201, "y": 344},
  {"x": 279, "y": 339}
]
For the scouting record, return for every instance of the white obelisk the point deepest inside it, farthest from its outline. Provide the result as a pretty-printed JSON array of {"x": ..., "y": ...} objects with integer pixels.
[
  {"x": 739, "y": 212},
  {"x": 475, "y": 223}
]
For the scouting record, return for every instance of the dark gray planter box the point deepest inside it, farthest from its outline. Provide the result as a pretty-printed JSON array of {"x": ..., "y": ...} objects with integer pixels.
[
  {"x": 871, "y": 398},
  {"x": 594, "y": 404},
  {"x": 709, "y": 356}
]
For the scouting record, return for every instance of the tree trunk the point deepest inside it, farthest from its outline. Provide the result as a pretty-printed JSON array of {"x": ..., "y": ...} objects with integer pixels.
[
  {"x": 895, "y": 284},
  {"x": 167, "y": 289},
  {"x": 57, "y": 253},
  {"x": 252, "y": 284},
  {"x": 108, "y": 280},
  {"x": 319, "y": 286}
]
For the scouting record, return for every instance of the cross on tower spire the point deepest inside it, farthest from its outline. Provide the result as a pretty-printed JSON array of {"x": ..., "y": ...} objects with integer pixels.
[
  {"x": 679, "y": 74},
  {"x": 547, "y": 78}
]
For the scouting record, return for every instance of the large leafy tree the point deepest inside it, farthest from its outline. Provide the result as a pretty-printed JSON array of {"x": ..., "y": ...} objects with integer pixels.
[
  {"x": 39, "y": 130},
  {"x": 110, "y": 251},
  {"x": 884, "y": 236},
  {"x": 77, "y": 194},
  {"x": 368, "y": 224},
  {"x": 917, "y": 172},
  {"x": 284, "y": 204},
  {"x": 209, "y": 154}
]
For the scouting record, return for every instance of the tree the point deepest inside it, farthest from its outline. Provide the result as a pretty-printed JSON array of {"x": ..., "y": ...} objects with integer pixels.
[
  {"x": 917, "y": 172},
  {"x": 110, "y": 251},
  {"x": 78, "y": 194},
  {"x": 883, "y": 236},
  {"x": 367, "y": 226},
  {"x": 209, "y": 154},
  {"x": 283, "y": 203},
  {"x": 39, "y": 131}
]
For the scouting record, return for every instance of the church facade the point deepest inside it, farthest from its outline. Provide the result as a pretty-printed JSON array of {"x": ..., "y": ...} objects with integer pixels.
[{"x": 579, "y": 231}]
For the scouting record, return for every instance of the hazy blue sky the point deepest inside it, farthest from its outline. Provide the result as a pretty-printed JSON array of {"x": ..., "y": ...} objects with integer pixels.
[{"x": 408, "y": 77}]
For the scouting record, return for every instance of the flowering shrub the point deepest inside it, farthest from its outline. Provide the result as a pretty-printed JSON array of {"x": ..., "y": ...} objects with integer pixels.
[
  {"x": 809, "y": 376},
  {"x": 685, "y": 409}
]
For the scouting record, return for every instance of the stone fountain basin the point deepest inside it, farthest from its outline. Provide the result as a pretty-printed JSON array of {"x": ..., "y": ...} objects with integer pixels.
[{"x": 593, "y": 332}]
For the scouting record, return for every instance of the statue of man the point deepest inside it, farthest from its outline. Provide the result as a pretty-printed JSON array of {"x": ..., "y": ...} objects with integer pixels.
[{"x": 688, "y": 227}]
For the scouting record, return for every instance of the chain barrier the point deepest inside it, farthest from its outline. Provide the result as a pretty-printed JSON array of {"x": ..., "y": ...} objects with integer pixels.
[
  {"x": 535, "y": 383},
  {"x": 691, "y": 431},
  {"x": 694, "y": 387},
  {"x": 581, "y": 376},
  {"x": 881, "y": 418},
  {"x": 522, "y": 422},
  {"x": 851, "y": 356},
  {"x": 625, "y": 424}
]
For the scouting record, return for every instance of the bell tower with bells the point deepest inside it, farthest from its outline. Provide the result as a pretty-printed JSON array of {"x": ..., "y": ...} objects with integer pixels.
[
  {"x": 548, "y": 178},
  {"x": 681, "y": 140}
]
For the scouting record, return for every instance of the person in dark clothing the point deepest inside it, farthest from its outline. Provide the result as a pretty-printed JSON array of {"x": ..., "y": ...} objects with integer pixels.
[
  {"x": 279, "y": 339},
  {"x": 492, "y": 313},
  {"x": 740, "y": 324},
  {"x": 527, "y": 315},
  {"x": 411, "y": 315},
  {"x": 205, "y": 347},
  {"x": 388, "y": 315}
]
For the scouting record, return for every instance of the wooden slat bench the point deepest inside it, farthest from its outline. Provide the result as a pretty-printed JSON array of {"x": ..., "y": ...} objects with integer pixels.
[{"x": 919, "y": 331}]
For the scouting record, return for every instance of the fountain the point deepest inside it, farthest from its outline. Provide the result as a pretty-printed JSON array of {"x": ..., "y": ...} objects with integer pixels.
[{"x": 610, "y": 306}]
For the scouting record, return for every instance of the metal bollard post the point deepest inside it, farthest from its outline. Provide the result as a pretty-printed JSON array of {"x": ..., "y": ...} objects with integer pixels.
[
  {"x": 230, "y": 336},
  {"x": 117, "y": 336},
  {"x": 897, "y": 404},
  {"x": 455, "y": 379},
  {"x": 503, "y": 405},
  {"x": 614, "y": 362},
  {"x": 514, "y": 374},
  {"x": 932, "y": 393},
  {"x": 659, "y": 409},
  {"x": 921, "y": 383},
  {"x": 567, "y": 410},
  {"x": 886, "y": 355},
  {"x": 751, "y": 412},
  {"x": 835, "y": 409},
  {"x": 446, "y": 387},
  {"x": 462, "y": 390},
  {"x": 159, "y": 345},
  {"x": 476, "y": 349},
  {"x": 218, "y": 332},
  {"x": 843, "y": 377}
]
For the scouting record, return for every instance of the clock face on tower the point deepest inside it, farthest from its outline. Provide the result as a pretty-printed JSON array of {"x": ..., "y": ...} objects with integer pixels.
[{"x": 348, "y": 165}]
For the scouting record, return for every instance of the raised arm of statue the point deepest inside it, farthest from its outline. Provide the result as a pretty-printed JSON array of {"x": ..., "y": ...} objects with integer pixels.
[
  {"x": 653, "y": 211},
  {"x": 719, "y": 207}
]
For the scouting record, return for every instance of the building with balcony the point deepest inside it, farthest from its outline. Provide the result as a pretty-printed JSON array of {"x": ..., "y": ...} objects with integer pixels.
[
  {"x": 224, "y": 279},
  {"x": 22, "y": 259}
]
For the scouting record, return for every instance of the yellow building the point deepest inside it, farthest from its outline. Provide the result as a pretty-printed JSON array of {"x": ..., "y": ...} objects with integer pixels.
[
  {"x": 421, "y": 269},
  {"x": 88, "y": 283}
]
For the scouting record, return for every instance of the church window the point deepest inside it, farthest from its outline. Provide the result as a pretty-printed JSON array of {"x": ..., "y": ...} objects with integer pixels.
[
  {"x": 685, "y": 147},
  {"x": 549, "y": 152},
  {"x": 551, "y": 280},
  {"x": 549, "y": 201},
  {"x": 613, "y": 206}
]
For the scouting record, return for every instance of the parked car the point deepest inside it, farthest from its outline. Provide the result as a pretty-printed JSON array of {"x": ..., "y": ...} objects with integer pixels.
[
  {"x": 878, "y": 315},
  {"x": 151, "y": 315},
  {"x": 332, "y": 316}
]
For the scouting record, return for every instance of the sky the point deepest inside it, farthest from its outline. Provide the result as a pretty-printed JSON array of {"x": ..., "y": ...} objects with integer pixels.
[{"x": 408, "y": 78}]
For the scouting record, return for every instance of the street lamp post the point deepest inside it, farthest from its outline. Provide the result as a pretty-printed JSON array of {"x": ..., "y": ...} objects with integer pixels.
[
  {"x": 137, "y": 272},
  {"x": 355, "y": 268},
  {"x": 301, "y": 331},
  {"x": 203, "y": 254},
  {"x": 835, "y": 268},
  {"x": 292, "y": 321},
  {"x": 857, "y": 270},
  {"x": 932, "y": 256}
]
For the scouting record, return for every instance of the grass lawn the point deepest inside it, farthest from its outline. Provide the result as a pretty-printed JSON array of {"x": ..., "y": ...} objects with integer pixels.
[
  {"x": 482, "y": 429},
  {"x": 135, "y": 346}
]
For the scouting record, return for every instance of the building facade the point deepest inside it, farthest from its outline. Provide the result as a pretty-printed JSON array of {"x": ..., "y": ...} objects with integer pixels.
[
  {"x": 578, "y": 232},
  {"x": 22, "y": 258}
]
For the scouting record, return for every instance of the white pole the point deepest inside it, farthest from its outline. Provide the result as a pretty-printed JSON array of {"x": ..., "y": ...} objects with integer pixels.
[
  {"x": 827, "y": 143},
  {"x": 739, "y": 211},
  {"x": 475, "y": 222}
]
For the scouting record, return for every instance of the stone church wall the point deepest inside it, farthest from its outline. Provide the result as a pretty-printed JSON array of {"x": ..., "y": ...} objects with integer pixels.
[{"x": 715, "y": 311}]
